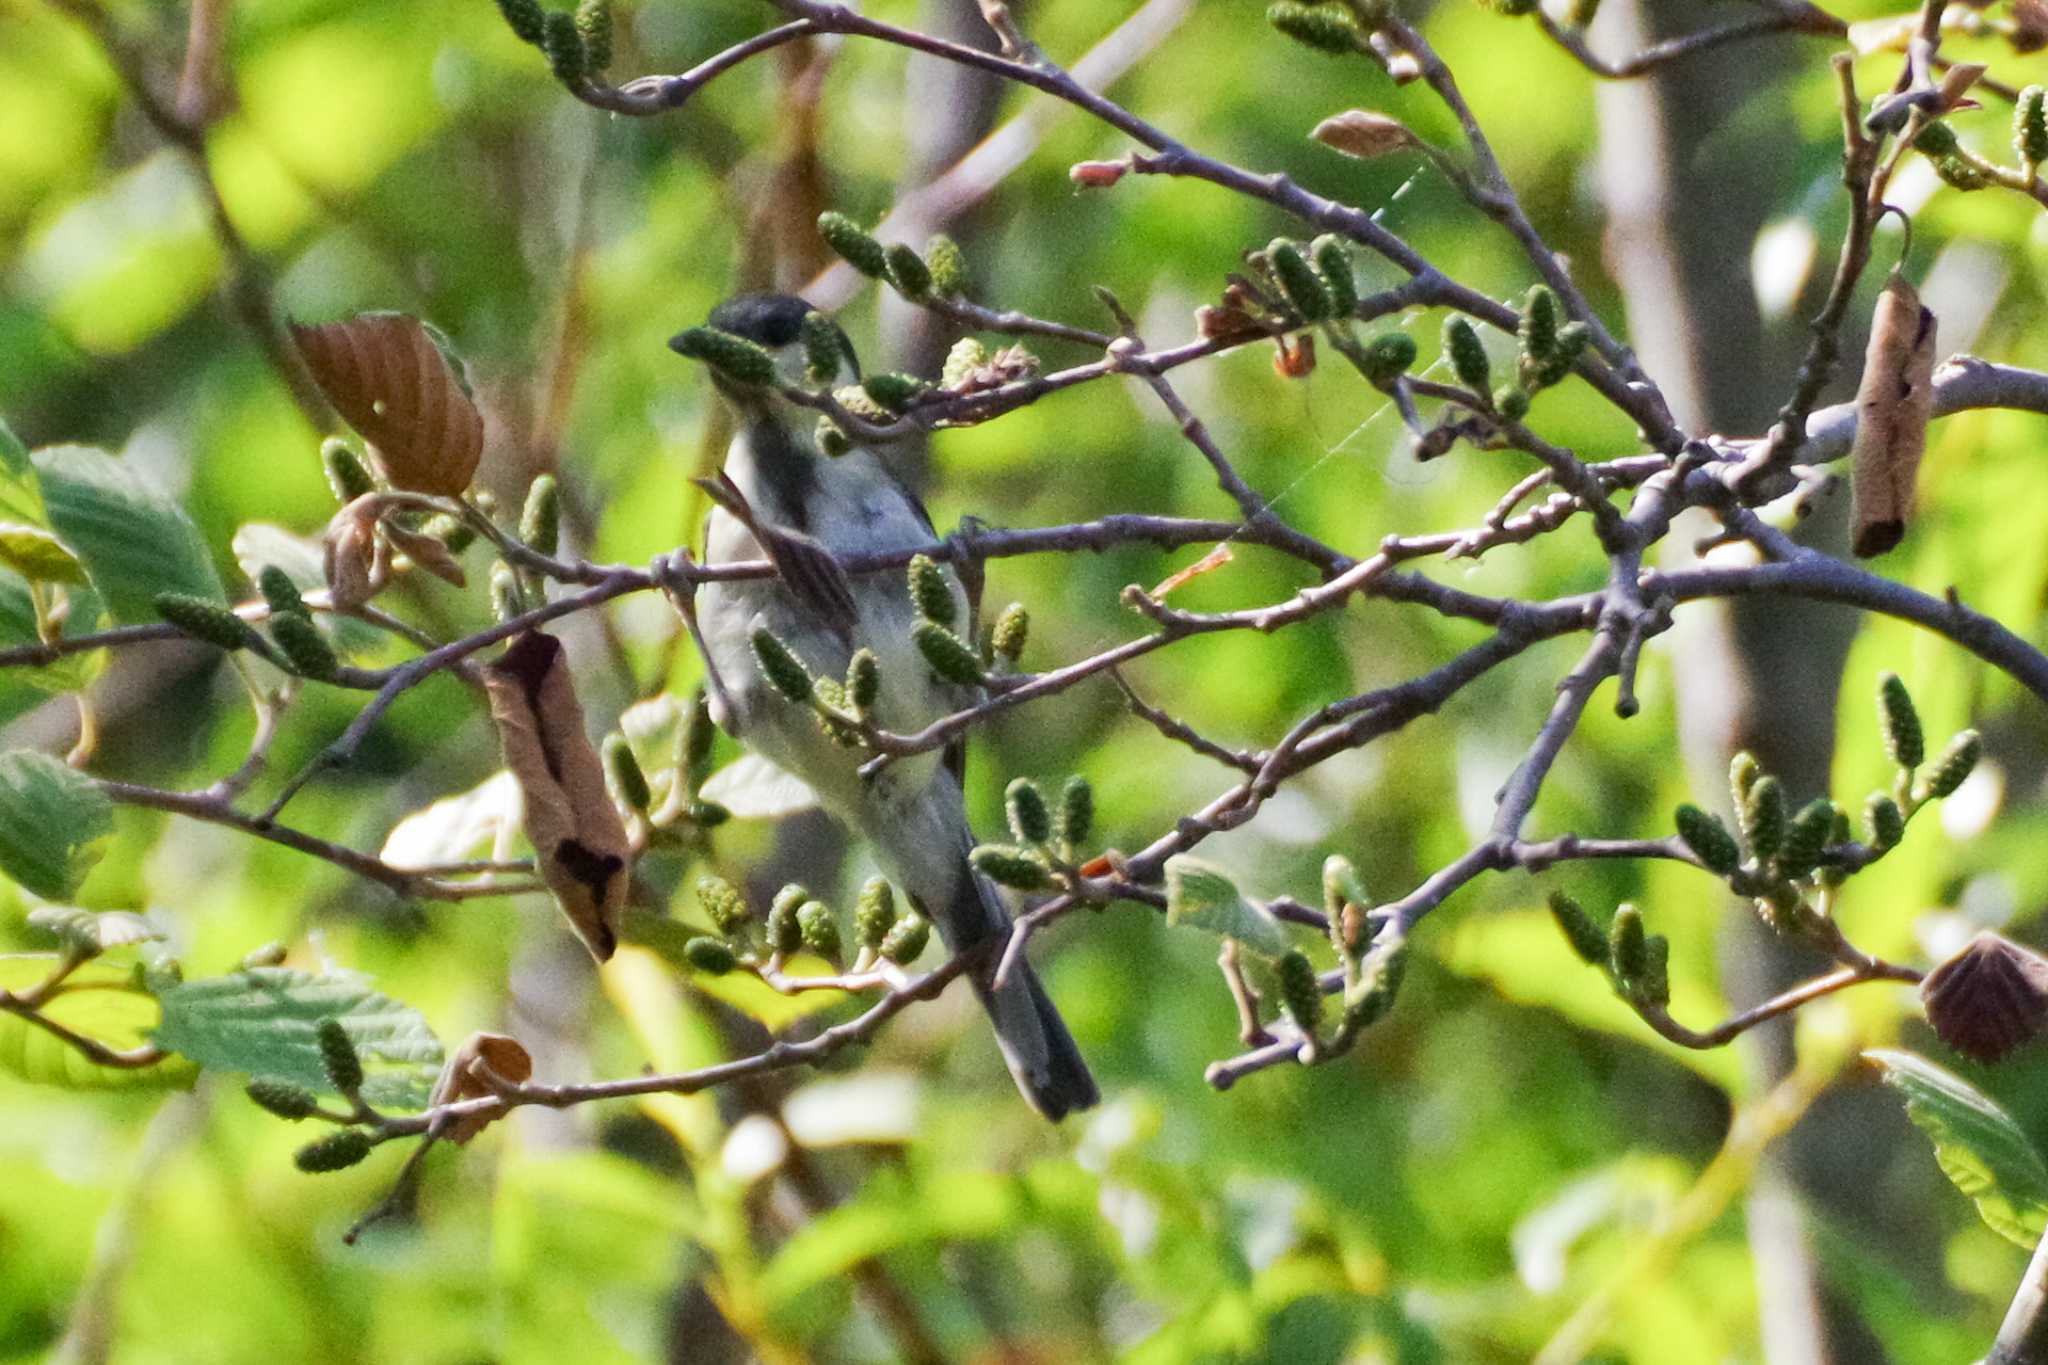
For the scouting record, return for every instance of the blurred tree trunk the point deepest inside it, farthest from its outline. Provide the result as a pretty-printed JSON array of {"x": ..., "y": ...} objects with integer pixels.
[{"x": 1760, "y": 674}]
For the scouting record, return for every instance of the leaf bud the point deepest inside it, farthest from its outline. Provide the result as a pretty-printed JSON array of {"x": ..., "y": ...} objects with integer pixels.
[
  {"x": 1076, "y": 819},
  {"x": 345, "y": 473},
  {"x": 854, "y": 246},
  {"x": 567, "y": 57},
  {"x": 1325, "y": 28},
  {"x": 507, "y": 599},
  {"x": 1467, "y": 354},
  {"x": 1806, "y": 838},
  {"x": 966, "y": 357},
  {"x": 525, "y": 19},
  {"x": 1298, "y": 280},
  {"x": 1388, "y": 356},
  {"x": 336, "y": 1152},
  {"x": 280, "y": 592},
  {"x": 1011, "y": 630},
  {"x": 1936, "y": 139},
  {"x": 1627, "y": 945},
  {"x": 931, "y": 591},
  {"x": 948, "y": 654},
  {"x": 893, "y": 392},
  {"x": 863, "y": 680},
  {"x": 282, "y": 1098},
  {"x": 906, "y": 939},
  {"x": 1301, "y": 994},
  {"x": 1017, "y": 868},
  {"x": 874, "y": 914},
  {"x": 784, "y": 672},
  {"x": 624, "y": 769},
  {"x": 304, "y": 646},
  {"x": 1579, "y": 929},
  {"x": 832, "y": 438},
  {"x": 1763, "y": 818},
  {"x": 907, "y": 270},
  {"x": 540, "y": 521},
  {"x": 1743, "y": 771},
  {"x": 1708, "y": 839},
  {"x": 694, "y": 743},
  {"x": 783, "y": 932},
  {"x": 1538, "y": 329},
  {"x": 1333, "y": 263},
  {"x": 594, "y": 25},
  {"x": 1901, "y": 723},
  {"x": 207, "y": 621},
  {"x": 943, "y": 257},
  {"x": 1653, "y": 987},
  {"x": 338, "y": 1056},
  {"x": 735, "y": 357},
  {"x": 819, "y": 929},
  {"x": 711, "y": 956},
  {"x": 1952, "y": 767},
  {"x": 1030, "y": 820},
  {"x": 2030, "y": 126},
  {"x": 723, "y": 904}
]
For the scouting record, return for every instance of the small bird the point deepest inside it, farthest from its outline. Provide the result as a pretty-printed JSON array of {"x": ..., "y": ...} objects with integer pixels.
[{"x": 780, "y": 497}]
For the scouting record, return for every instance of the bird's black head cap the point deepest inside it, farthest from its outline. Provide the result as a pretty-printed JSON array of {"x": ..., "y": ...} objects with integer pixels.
[{"x": 771, "y": 320}]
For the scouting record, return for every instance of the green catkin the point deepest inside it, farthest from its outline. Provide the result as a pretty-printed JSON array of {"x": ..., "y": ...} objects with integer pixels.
[
  {"x": 1016, "y": 868},
  {"x": 819, "y": 929},
  {"x": 1903, "y": 739},
  {"x": 906, "y": 939},
  {"x": 1301, "y": 994},
  {"x": 1298, "y": 280},
  {"x": 1708, "y": 839},
  {"x": 907, "y": 270},
  {"x": 874, "y": 914},
  {"x": 854, "y": 246},
  {"x": 338, "y": 1056},
  {"x": 1325, "y": 28},
  {"x": 304, "y": 646},
  {"x": 1579, "y": 929},
  {"x": 783, "y": 670},
  {"x": 1333, "y": 263},
  {"x": 711, "y": 956},
  {"x": 594, "y": 25},
  {"x": 722, "y": 903},
  {"x": 1467, "y": 355},
  {"x": 1077, "y": 811},
  {"x": 1884, "y": 823},
  {"x": 1763, "y": 818},
  {"x": 540, "y": 521},
  {"x": 949, "y": 656},
  {"x": 628, "y": 779},
  {"x": 1030, "y": 818},
  {"x": 931, "y": 591},
  {"x": 943, "y": 257},
  {"x": 1953, "y": 766},
  {"x": 346, "y": 474},
  {"x": 207, "y": 621},
  {"x": 734, "y": 357},
  {"x": 1011, "y": 630},
  {"x": 335, "y": 1152},
  {"x": 282, "y": 1098}
]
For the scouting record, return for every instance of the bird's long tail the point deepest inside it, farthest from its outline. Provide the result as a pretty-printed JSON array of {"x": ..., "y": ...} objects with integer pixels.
[
  {"x": 1035, "y": 1043},
  {"x": 922, "y": 842}
]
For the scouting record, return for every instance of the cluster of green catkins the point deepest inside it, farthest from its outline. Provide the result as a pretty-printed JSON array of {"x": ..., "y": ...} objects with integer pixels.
[
  {"x": 1049, "y": 839},
  {"x": 1787, "y": 863},
  {"x": 672, "y": 801},
  {"x": 338, "y": 1058},
  {"x": 1373, "y": 962},
  {"x": 1964, "y": 169},
  {"x": 577, "y": 46},
  {"x": 1319, "y": 286},
  {"x": 798, "y": 922}
]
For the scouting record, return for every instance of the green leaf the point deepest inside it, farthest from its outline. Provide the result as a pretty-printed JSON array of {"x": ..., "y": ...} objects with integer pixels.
[
  {"x": 1202, "y": 896},
  {"x": 263, "y": 1021},
  {"x": 49, "y": 818},
  {"x": 35, "y": 553},
  {"x": 455, "y": 828},
  {"x": 101, "y": 1002},
  {"x": 135, "y": 540},
  {"x": 18, "y": 627},
  {"x": 21, "y": 498},
  {"x": 1978, "y": 1146}
]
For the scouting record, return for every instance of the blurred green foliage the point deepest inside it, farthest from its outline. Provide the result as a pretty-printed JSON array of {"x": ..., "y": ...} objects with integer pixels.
[{"x": 1506, "y": 1144}]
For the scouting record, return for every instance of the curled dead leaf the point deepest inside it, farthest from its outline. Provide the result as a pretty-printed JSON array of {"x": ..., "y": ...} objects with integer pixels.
[
  {"x": 576, "y": 830},
  {"x": 1363, "y": 134},
  {"x": 426, "y": 552},
  {"x": 356, "y": 562},
  {"x": 1893, "y": 406},
  {"x": 1208, "y": 563},
  {"x": 1989, "y": 998},
  {"x": 389, "y": 379},
  {"x": 507, "y": 1060},
  {"x": 1296, "y": 360}
]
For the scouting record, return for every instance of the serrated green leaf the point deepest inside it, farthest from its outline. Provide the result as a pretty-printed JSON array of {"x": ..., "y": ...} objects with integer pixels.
[
  {"x": 50, "y": 817},
  {"x": 37, "y": 554},
  {"x": 1202, "y": 896},
  {"x": 134, "y": 540},
  {"x": 101, "y": 1003},
  {"x": 1977, "y": 1144},
  {"x": 263, "y": 1021}
]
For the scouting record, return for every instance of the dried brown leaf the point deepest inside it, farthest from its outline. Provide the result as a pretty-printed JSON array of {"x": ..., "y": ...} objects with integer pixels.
[
  {"x": 1363, "y": 134},
  {"x": 356, "y": 562},
  {"x": 426, "y": 552},
  {"x": 1208, "y": 563},
  {"x": 1989, "y": 998},
  {"x": 576, "y": 831},
  {"x": 1893, "y": 406},
  {"x": 507, "y": 1059},
  {"x": 387, "y": 378}
]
